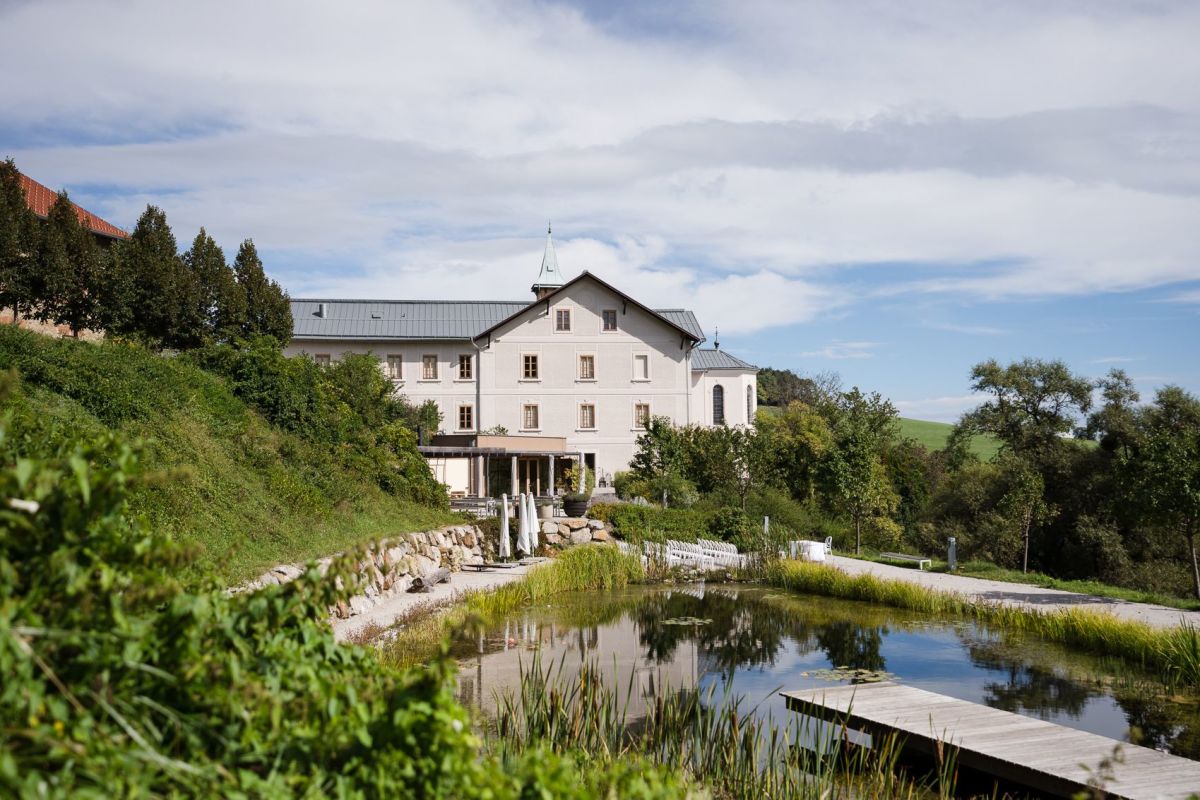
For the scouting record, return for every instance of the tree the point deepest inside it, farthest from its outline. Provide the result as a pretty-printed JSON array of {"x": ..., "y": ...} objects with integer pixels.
[
  {"x": 1161, "y": 470},
  {"x": 1033, "y": 402},
  {"x": 268, "y": 312},
  {"x": 799, "y": 439},
  {"x": 18, "y": 243},
  {"x": 1025, "y": 501},
  {"x": 222, "y": 303},
  {"x": 1114, "y": 425},
  {"x": 154, "y": 296},
  {"x": 70, "y": 264},
  {"x": 854, "y": 469}
]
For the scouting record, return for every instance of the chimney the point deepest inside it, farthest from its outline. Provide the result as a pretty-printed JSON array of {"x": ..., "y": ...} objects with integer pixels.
[{"x": 321, "y": 310}]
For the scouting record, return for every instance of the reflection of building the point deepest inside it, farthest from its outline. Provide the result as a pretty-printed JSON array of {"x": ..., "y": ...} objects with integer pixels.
[
  {"x": 615, "y": 650},
  {"x": 576, "y": 372}
]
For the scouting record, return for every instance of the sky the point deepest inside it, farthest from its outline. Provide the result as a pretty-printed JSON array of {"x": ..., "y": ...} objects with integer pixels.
[{"x": 891, "y": 191}]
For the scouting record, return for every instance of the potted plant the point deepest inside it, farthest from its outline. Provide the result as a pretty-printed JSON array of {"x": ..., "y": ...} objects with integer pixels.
[
  {"x": 545, "y": 508},
  {"x": 575, "y": 503}
]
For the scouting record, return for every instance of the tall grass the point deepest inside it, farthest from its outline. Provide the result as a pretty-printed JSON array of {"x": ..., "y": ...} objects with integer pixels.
[
  {"x": 1174, "y": 652},
  {"x": 577, "y": 569},
  {"x": 710, "y": 738}
]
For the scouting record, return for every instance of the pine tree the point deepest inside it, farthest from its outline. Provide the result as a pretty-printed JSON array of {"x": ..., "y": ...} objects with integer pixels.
[
  {"x": 70, "y": 266},
  {"x": 268, "y": 311},
  {"x": 222, "y": 303},
  {"x": 18, "y": 243},
  {"x": 162, "y": 295}
]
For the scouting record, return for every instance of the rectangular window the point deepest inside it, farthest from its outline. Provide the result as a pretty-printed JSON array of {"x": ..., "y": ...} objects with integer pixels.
[
  {"x": 562, "y": 319},
  {"x": 395, "y": 367},
  {"x": 641, "y": 415},
  {"x": 529, "y": 417},
  {"x": 641, "y": 368},
  {"x": 464, "y": 368},
  {"x": 587, "y": 368},
  {"x": 322, "y": 359},
  {"x": 466, "y": 418},
  {"x": 610, "y": 319},
  {"x": 429, "y": 368},
  {"x": 587, "y": 416},
  {"x": 529, "y": 370}
]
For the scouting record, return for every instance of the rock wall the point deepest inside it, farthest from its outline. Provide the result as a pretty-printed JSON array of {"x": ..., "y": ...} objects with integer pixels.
[
  {"x": 391, "y": 565},
  {"x": 574, "y": 530}
]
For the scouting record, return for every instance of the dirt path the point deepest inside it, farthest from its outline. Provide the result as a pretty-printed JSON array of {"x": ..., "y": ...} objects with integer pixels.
[
  {"x": 386, "y": 612},
  {"x": 1021, "y": 595}
]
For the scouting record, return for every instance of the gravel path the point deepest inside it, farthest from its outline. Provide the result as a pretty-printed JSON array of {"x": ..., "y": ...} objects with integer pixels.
[
  {"x": 1021, "y": 595},
  {"x": 385, "y": 613}
]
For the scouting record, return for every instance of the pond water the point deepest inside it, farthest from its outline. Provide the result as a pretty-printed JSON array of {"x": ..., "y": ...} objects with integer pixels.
[{"x": 755, "y": 642}]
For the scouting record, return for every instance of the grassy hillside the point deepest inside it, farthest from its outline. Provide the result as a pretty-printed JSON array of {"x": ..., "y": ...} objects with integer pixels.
[{"x": 247, "y": 493}]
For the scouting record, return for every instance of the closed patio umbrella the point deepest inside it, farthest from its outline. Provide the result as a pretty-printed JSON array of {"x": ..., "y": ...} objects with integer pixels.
[
  {"x": 522, "y": 525},
  {"x": 504, "y": 550},
  {"x": 534, "y": 525}
]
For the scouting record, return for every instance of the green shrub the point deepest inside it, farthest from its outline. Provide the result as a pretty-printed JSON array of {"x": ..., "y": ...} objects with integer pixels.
[
  {"x": 651, "y": 522},
  {"x": 119, "y": 682},
  {"x": 732, "y": 525}
]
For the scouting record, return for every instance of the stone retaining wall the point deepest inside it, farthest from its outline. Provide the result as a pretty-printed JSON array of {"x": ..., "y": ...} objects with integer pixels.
[{"x": 392, "y": 564}]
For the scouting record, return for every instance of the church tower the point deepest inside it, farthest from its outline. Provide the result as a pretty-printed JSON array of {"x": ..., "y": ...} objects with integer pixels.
[{"x": 550, "y": 278}]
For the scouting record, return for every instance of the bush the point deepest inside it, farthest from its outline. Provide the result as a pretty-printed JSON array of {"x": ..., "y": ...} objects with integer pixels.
[
  {"x": 732, "y": 525},
  {"x": 119, "y": 682},
  {"x": 652, "y": 523},
  {"x": 882, "y": 533}
]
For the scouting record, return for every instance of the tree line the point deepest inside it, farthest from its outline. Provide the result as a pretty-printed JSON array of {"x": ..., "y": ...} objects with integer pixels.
[
  {"x": 141, "y": 288},
  {"x": 1106, "y": 489}
]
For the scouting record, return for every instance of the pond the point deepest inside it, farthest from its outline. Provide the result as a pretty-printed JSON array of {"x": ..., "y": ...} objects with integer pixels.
[{"x": 753, "y": 642}]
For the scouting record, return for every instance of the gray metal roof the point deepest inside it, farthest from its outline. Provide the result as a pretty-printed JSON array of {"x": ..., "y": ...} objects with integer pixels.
[
  {"x": 422, "y": 319},
  {"x": 398, "y": 319},
  {"x": 717, "y": 359}
]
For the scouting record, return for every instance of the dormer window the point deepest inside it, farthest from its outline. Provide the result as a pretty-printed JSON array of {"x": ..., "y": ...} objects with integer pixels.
[{"x": 562, "y": 320}]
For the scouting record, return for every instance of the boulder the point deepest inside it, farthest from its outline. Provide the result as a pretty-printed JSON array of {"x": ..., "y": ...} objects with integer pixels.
[
  {"x": 549, "y": 526},
  {"x": 360, "y": 605},
  {"x": 341, "y": 610},
  {"x": 581, "y": 536},
  {"x": 553, "y": 538},
  {"x": 564, "y": 530},
  {"x": 595, "y": 524},
  {"x": 601, "y": 535},
  {"x": 467, "y": 539},
  {"x": 287, "y": 572},
  {"x": 575, "y": 523}
]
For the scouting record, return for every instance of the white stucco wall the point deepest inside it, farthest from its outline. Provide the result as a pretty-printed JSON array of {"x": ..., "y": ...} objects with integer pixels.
[
  {"x": 672, "y": 389},
  {"x": 559, "y": 391},
  {"x": 737, "y": 383}
]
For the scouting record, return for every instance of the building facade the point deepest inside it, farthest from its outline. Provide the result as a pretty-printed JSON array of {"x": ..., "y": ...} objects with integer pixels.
[{"x": 583, "y": 363}]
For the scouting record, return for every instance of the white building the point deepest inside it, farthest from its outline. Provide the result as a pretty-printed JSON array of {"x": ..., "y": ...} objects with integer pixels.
[{"x": 575, "y": 372}]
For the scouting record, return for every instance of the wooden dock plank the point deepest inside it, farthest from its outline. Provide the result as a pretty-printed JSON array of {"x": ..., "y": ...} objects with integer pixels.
[{"x": 1030, "y": 752}]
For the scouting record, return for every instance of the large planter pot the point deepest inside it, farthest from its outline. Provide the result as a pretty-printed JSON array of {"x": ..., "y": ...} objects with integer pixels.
[
  {"x": 575, "y": 508},
  {"x": 545, "y": 510}
]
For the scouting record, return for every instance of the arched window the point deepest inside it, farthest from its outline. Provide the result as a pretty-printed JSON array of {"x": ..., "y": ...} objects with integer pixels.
[
  {"x": 718, "y": 405},
  {"x": 749, "y": 404}
]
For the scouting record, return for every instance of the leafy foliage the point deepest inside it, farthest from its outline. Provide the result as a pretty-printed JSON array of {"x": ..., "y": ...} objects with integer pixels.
[{"x": 18, "y": 243}]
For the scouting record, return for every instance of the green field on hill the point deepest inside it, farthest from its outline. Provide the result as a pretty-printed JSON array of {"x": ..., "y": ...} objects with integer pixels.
[{"x": 934, "y": 435}]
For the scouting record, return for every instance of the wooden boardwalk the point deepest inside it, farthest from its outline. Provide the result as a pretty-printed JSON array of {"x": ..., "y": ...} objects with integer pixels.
[{"x": 1032, "y": 753}]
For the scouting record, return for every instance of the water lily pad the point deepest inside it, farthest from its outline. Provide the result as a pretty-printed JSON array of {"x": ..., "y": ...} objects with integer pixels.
[{"x": 850, "y": 674}]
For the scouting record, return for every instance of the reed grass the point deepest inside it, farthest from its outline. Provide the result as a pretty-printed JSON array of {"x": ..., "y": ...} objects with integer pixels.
[
  {"x": 587, "y": 568},
  {"x": 711, "y": 739},
  {"x": 1173, "y": 652}
]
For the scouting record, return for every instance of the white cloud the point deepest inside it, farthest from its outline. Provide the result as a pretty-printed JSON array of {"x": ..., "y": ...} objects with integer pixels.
[
  {"x": 972, "y": 330},
  {"x": 1116, "y": 359},
  {"x": 736, "y": 165},
  {"x": 841, "y": 350}
]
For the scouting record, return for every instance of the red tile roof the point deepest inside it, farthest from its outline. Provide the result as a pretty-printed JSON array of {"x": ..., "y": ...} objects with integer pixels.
[{"x": 40, "y": 198}]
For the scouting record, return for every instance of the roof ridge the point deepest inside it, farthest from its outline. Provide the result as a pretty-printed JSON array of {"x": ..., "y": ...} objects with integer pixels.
[{"x": 377, "y": 300}]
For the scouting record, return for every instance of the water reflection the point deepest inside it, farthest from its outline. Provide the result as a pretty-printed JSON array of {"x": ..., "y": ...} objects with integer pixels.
[{"x": 754, "y": 642}]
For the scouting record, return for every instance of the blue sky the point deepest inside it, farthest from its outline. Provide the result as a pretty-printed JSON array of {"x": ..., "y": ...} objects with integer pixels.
[{"x": 890, "y": 191}]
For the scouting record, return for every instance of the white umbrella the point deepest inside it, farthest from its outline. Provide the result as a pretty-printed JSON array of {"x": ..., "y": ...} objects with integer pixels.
[
  {"x": 505, "y": 552},
  {"x": 522, "y": 525},
  {"x": 534, "y": 525}
]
